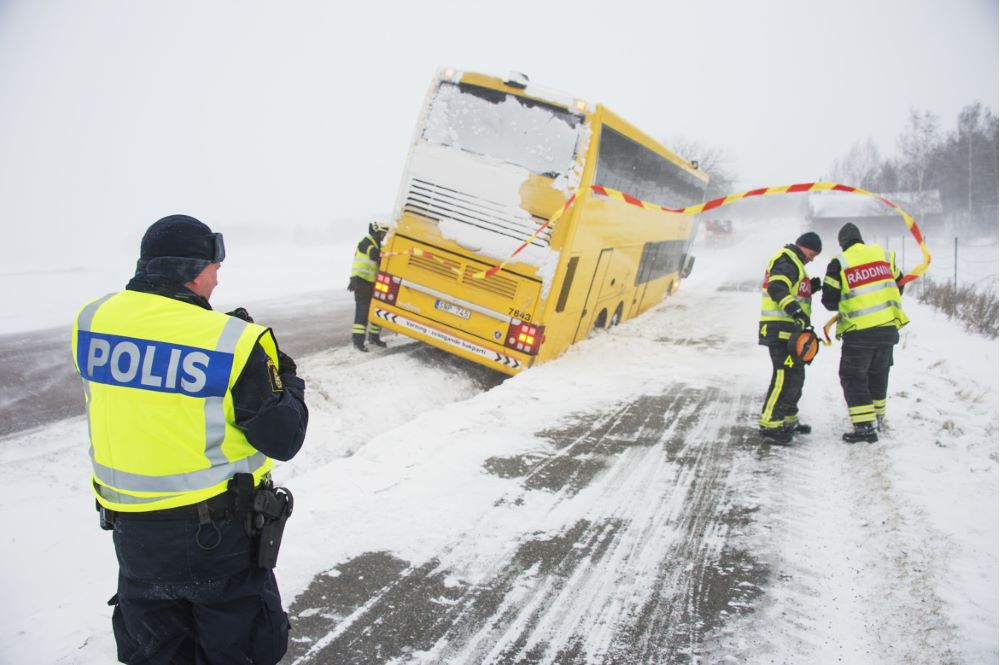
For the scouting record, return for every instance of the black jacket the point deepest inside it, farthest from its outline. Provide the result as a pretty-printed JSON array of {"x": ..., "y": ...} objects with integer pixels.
[
  {"x": 370, "y": 248},
  {"x": 877, "y": 336},
  {"x": 273, "y": 417},
  {"x": 777, "y": 332}
]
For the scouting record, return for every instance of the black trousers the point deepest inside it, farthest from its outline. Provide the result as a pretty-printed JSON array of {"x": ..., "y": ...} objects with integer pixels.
[
  {"x": 362, "y": 302},
  {"x": 864, "y": 376},
  {"x": 787, "y": 377},
  {"x": 179, "y": 602}
]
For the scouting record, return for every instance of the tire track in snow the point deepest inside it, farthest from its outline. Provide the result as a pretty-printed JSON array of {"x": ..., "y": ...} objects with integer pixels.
[{"x": 699, "y": 580}]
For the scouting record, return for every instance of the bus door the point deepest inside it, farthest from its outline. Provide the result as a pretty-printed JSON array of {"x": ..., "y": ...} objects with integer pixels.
[
  {"x": 593, "y": 293},
  {"x": 642, "y": 282},
  {"x": 638, "y": 295}
]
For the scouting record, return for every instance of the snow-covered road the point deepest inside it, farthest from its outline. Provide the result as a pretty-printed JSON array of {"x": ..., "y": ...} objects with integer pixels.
[
  {"x": 613, "y": 506},
  {"x": 614, "y": 524}
]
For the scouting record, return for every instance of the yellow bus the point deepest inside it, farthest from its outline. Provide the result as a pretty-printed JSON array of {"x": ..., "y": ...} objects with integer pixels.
[{"x": 493, "y": 160}]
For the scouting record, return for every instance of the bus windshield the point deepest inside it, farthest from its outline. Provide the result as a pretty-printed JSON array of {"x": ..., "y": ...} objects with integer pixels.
[{"x": 531, "y": 134}]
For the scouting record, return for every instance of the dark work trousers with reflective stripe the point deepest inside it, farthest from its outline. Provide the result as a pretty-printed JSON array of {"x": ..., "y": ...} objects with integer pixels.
[
  {"x": 179, "y": 602},
  {"x": 864, "y": 376},
  {"x": 362, "y": 302},
  {"x": 787, "y": 378}
]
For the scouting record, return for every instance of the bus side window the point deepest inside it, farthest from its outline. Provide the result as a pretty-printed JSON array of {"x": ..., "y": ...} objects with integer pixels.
[
  {"x": 567, "y": 283},
  {"x": 659, "y": 259},
  {"x": 630, "y": 167}
]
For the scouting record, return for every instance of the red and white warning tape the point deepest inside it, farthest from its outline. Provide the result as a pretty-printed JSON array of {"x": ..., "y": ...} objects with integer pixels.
[{"x": 695, "y": 210}]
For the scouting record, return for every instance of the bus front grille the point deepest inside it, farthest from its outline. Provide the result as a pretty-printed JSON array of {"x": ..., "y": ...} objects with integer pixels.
[
  {"x": 437, "y": 203},
  {"x": 496, "y": 284},
  {"x": 441, "y": 267}
]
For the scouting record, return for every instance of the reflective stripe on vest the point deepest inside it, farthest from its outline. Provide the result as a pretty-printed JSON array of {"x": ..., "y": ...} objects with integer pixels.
[
  {"x": 770, "y": 310},
  {"x": 151, "y": 389},
  {"x": 869, "y": 296},
  {"x": 176, "y": 483},
  {"x": 363, "y": 266},
  {"x": 83, "y": 322}
]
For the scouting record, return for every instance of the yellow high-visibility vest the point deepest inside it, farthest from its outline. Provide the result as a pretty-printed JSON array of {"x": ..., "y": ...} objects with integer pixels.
[
  {"x": 364, "y": 265},
  {"x": 869, "y": 296},
  {"x": 801, "y": 291},
  {"x": 158, "y": 375}
]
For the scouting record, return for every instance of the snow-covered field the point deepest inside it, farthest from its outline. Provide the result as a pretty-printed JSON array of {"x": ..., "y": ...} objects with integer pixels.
[
  {"x": 43, "y": 293},
  {"x": 874, "y": 554}
]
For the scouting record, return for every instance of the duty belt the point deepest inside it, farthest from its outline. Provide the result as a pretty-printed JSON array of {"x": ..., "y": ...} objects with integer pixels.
[{"x": 216, "y": 508}]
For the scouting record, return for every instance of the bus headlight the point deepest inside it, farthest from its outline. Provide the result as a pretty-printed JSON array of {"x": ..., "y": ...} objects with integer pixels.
[{"x": 524, "y": 337}]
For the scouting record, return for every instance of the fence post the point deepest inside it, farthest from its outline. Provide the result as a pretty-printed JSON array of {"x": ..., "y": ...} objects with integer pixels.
[{"x": 956, "y": 264}]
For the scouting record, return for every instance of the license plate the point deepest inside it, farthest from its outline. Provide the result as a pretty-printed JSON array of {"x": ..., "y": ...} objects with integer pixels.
[{"x": 452, "y": 309}]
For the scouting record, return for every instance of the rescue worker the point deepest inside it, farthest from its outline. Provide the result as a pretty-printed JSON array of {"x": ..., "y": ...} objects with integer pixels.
[
  {"x": 786, "y": 308},
  {"x": 363, "y": 273},
  {"x": 182, "y": 403},
  {"x": 862, "y": 284}
]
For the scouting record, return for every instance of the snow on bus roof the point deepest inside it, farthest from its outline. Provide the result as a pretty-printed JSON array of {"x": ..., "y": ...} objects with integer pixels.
[{"x": 531, "y": 89}]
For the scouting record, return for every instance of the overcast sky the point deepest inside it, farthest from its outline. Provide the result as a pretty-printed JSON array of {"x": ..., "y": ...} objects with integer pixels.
[{"x": 116, "y": 112}]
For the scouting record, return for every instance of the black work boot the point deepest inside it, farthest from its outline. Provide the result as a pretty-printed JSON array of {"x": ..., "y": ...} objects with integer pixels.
[
  {"x": 861, "y": 432},
  {"x": 778, "y": 435},
  {"x": 799, "y": 428},
  {"x": 373, "y": 338},
  {"x": 359, "y": 342}
]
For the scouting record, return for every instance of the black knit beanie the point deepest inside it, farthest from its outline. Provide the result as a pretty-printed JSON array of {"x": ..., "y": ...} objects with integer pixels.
[
  {"x": 810, "y": 240},
  {"x": 177, "y": 248},
  {"x": 848, "y": 235}
]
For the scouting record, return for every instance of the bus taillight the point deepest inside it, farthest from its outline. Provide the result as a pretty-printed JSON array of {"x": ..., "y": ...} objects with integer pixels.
[
  {"x": 386, "y": 287},
  {"x": 524, "y": 337}
]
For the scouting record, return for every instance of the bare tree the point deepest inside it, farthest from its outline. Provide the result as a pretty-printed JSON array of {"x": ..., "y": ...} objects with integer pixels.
[
  {"x": 860, "y": 167},
  {"x": 713, "y": 160},
  {"x": 918, "y": 144},
  {"x": 967, "y": 169}
]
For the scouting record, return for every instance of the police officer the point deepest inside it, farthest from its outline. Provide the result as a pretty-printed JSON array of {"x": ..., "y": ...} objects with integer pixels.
[
  {"x": 363, "y": 272},
  {"x": 181, "y": 399},
  {"x": 786, "y": 308},
  {"x": 862, "y": 285}
]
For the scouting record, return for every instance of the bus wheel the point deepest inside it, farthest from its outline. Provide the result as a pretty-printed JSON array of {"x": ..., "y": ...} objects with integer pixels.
[
  {"x": 617, "y": 317},
  {"x": 602, "y": 319}
]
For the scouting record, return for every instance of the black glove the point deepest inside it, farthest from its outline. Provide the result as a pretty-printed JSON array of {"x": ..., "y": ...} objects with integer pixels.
[
  {"x": 285, "y": 364},
  {"x": 241, "y": 313},
  {"x": 801, "y": 320},
  {"x": 350, "y": 285},
  {"x": 816, "y": 284}
]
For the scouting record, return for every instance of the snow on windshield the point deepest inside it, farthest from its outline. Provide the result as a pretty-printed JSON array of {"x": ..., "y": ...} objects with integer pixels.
[{"x": 533, "y": 135}]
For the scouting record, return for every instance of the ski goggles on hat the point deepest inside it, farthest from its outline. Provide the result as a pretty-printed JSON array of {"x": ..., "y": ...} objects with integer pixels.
[{"x": 218, "y": 248}]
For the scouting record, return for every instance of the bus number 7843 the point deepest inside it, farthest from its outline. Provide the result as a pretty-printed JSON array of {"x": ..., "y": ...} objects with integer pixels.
[{"x": 517, "y": 314}]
